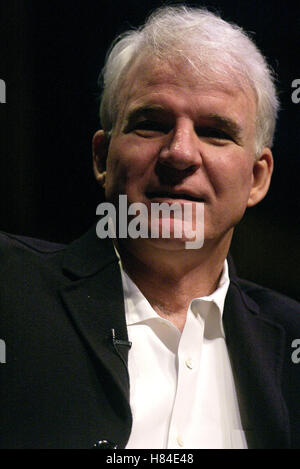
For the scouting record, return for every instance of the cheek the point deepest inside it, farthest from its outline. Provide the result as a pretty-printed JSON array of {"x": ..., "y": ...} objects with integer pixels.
[
  {"x": 128, "y": 163},
  {"x": 231, "y": 173}
]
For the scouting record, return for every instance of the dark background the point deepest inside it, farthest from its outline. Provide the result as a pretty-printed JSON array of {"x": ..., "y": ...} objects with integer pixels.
[{"x": 51, "y": 55}]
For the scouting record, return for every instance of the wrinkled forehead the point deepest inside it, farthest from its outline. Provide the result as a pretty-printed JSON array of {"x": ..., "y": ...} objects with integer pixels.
[{"x": 150, "y": 72}]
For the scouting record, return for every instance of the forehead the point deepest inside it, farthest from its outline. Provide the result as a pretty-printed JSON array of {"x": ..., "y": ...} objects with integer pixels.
[{"x": 154, "y": 81}]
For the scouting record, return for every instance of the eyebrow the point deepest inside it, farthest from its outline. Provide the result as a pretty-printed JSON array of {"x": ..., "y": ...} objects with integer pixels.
[
  {"x": 223, "y": 122},
  {"x": 227, "y": 124},
  {"x": 136, "y": 113}
]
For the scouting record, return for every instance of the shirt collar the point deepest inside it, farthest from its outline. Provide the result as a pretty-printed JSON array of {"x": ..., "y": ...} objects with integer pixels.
[
  {"x": 219, "y": 295},
  {"x": 138, "y": 309},
  {"x": 210, "y": 308}
]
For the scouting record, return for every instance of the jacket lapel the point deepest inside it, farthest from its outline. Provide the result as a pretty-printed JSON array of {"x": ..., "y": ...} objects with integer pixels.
[
  {"x": 94, "y": 300},
  {"x": 255, "y": 347}
]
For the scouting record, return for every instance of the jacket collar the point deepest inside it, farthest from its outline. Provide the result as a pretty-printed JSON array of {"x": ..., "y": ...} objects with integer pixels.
[{"x": 88, "y": 254}]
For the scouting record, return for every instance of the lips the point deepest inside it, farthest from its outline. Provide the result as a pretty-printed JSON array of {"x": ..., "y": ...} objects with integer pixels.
[{"x": 173, "y": 195}]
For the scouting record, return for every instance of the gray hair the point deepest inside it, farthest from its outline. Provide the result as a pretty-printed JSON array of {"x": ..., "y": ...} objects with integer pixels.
[{"x": 215, "y": 49}]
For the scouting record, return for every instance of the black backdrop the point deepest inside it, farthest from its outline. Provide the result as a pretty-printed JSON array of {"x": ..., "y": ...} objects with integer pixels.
[{"x": 51, "y": 54}]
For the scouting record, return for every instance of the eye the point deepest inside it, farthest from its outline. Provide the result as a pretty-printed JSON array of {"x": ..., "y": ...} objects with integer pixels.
[
  {"x": 150, "y": 128},
  {"x": 214, "y": 133}
]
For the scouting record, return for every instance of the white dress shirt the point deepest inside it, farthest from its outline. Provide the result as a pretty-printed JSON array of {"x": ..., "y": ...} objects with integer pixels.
[{"x": 182, "y": 392}]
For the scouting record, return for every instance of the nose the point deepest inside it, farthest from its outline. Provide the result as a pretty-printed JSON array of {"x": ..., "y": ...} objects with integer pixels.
[{"x": 181, "y": 151}]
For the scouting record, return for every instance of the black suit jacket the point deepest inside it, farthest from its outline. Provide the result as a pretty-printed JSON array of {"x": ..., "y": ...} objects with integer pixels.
[{"x": 65, "y": 382}]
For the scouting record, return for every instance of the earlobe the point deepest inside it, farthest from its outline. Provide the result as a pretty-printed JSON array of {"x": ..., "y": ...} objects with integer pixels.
[
  {"x": 100, "y": 150},
  {"x": 261, "y": 176}
]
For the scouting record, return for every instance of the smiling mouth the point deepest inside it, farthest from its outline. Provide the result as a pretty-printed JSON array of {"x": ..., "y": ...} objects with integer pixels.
[{"x": 170, "y": 195}]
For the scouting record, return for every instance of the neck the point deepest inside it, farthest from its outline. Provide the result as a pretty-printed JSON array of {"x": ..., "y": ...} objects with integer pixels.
[{"x": 170, "y": 279}]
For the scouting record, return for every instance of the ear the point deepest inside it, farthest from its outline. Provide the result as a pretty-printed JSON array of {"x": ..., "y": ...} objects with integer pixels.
[
  {"x": 100, "y": 150},
  {"x": 261, "y": 177}
]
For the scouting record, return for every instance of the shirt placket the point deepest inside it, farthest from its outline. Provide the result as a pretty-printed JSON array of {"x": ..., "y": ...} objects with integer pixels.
[{"x": 188, "y": 362}]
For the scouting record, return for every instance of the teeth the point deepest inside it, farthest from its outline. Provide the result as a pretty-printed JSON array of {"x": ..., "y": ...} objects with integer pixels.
[
  {"x": 182, "y": 196},
  {"x": 164, "y": 195}
]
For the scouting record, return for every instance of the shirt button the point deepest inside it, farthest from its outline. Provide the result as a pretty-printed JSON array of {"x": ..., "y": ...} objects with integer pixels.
[
  {"x": 180, "y": 441},
  {"x": 189, "y": 363}
]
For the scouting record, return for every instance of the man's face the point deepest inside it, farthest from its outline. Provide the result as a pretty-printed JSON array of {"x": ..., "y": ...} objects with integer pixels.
[{"x": 176, "y": 138}]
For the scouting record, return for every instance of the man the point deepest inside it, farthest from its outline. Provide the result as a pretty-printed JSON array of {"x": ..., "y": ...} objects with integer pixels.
[{"x": 143, "y": 342}]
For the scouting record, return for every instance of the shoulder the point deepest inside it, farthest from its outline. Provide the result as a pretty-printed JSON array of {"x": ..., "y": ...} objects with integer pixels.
[
  {"x": 22, "y": 256},
  {"x": 14, "y": 242},
  {"x": 15, "y": 249},
  {"x": 272, "y": 304}
]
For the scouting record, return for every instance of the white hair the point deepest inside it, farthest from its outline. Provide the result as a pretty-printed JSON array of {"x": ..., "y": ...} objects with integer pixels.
[{"x": 215, "y": 49}]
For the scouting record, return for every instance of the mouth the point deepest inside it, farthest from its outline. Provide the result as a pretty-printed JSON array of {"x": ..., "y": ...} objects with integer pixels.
[{"x": 167, "y": 195}]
